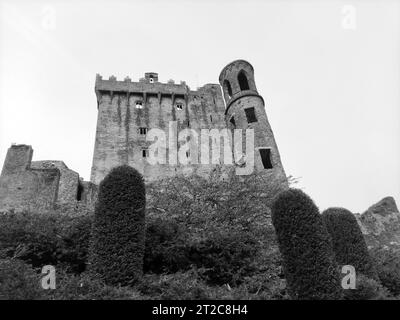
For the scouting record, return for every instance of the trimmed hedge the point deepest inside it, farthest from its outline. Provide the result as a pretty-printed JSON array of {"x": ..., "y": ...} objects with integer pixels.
[
  {"x": 308, "y": 259},
  {"x": 118, "y": 233},
  {"x": 55, "y": 238},
  {"x": 348, "y": 242}
]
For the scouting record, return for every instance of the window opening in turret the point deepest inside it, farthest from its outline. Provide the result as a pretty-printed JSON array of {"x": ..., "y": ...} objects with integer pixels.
[
  {"x": 250, "y": 115},
  {"x": 243, "y": 83},
  {"x": 265, "y": 154}
]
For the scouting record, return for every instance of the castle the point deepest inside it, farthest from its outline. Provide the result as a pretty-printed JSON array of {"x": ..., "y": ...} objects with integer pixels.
[{"x": 127, "y": 112}]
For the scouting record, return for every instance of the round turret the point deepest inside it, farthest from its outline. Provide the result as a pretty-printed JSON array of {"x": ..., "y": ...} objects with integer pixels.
[
  {"x": 237, "y": 80},
  {"x": 245, "y": 109}
]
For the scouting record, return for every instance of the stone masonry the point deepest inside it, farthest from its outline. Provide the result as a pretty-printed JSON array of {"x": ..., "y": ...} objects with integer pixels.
[
  {"x": 27, "y": 184},
  {"x": 127, "y": 110},
  {"x": 127, "y": 113}
]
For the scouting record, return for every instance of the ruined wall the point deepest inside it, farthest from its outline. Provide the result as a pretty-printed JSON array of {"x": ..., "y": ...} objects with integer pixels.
[
  {"x": 24, "y": 187},
  {"x": 69, "y": 179},
  {"x": 38, "y": 185},
  {"x": 118, "y": 138},
  {"x": 88, "y": 194}
]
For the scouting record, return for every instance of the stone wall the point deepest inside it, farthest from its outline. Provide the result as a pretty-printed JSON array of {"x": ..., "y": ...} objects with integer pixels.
[
  {"x": 118, "y": 138},
  {"x": 69, "y": 179},
  {"x": 380, "y": 224},
  {"x": 88, "y": 193},
  {"x": 25, "y": 187},
  {"x": 37, "y": 185},
  {"x": 119, "y": 122}
]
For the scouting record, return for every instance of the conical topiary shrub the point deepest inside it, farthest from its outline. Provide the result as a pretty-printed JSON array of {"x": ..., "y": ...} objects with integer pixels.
[
  {"x": 118, "y": 233},
  {"x": 348, "y": 242},
  {"x": 308, "y": 259}
]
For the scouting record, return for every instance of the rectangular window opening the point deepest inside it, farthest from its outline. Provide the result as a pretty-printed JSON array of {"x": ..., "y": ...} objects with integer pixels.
[
  {"x": 250, "y": 115},
  {"x": 145, "y": 153},
  {"x": 265, "y": 154},
  {"x": 143, "y": 131}
]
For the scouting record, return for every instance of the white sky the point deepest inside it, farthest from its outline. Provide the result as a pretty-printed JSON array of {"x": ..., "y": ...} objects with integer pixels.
[{"x": 332, "y": 93}]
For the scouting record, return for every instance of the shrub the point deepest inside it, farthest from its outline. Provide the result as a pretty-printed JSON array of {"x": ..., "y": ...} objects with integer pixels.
[
  {"x": 348, "y": 242},
  {"x": 178, "y": 286},
  {"x": 226, "y": 257},
  {"x": 18, "y": 281},
  {"x": 52, "y": 237},
  {"x": 308, "y": 259},
  {"x": 166, "y": 246},
  {"x": 216, "y": 224},
  {"x": 387, "y": 261},
  {"x": 366, "y": 289},
  {"x": 118, "y": 234},
  {"x": 190, "y": 285},
  {"x": 85, "y": 287}
]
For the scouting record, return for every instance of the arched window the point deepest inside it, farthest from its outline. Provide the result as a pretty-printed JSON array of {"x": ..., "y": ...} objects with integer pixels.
[
  {"x": 228, "y": 88},
  {"x": 243, "y": 83}
]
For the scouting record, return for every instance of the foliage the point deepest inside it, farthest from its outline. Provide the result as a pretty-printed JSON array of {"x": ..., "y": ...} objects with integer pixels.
[
  {"x": 166, "y": 246},
  {"x": 86, "y": 287},
  {"x": 308, "y": 259},
  {"x": 18, "y": 281},
  {"x": 366, "y": 289},
  {"x": 54, "y": 237},
  {"x": 118, "y": 232},
  {"x": 348, "y": 242},
  {"x": 387, "y": 262},
  {"x": 190, "y": 285},
  {"x": 216, "y": 224}
]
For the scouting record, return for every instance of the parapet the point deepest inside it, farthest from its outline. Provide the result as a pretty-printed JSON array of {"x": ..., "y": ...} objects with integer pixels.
[{"x": 148, "y": 84}]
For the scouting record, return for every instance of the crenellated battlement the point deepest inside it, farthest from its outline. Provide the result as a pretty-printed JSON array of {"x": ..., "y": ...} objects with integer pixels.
[{"x": 148, "y": 84}]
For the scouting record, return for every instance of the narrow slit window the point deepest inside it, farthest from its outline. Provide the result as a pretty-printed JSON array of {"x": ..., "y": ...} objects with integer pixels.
[
  {"x": 139, "y": 104},
  {"x": 228, "y": 88},
  {"x": 250, "y": 115},
  {"x": 145, "y": 153},
  {"x": 79, "y": 192},
  {"x": 142, "y": 131},
  {"x": 265, "y": 154}
]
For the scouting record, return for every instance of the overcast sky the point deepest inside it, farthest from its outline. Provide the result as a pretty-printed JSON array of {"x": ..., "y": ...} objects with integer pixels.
[{"x": 329, "y": 72}]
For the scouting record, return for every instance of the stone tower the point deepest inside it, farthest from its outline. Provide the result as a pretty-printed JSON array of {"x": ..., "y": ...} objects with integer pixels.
[
  {"x": 245, "y": 109},
  {"x": 129, "y": 110}
]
